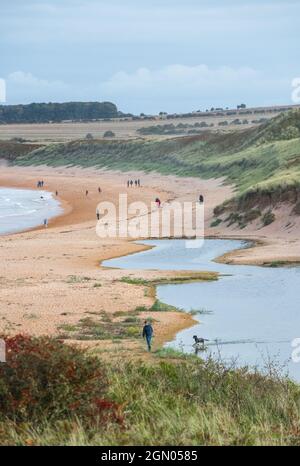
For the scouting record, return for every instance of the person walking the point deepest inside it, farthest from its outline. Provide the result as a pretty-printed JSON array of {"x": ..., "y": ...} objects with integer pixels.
[
  {"x": 157, "y": 200},
  {"x": 148, "y": 333},
  {"x": 45, "y": 222},
  {"x": 139, "y": 183},
  {"x": 99, "y": 190},
  {"x": 128, "y": 182},
  {"x": 98, "y": 214},
  {"x": 131, "y": 183},
  {"x": 86, "y": 192}
]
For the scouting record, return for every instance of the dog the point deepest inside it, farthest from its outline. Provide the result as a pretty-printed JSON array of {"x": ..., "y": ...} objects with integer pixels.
[{"x": 199, "y": 342}]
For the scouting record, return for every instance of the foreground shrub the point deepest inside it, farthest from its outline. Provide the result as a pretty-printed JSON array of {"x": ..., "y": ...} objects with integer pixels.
[
  {"x": 46, "y": 379},
  {"x": 176, "y": 399}
]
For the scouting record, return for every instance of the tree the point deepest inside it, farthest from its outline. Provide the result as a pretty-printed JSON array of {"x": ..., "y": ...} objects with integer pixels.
[
  {"x": 56, "y": 112},
  {"x": 109, "y": 134}
]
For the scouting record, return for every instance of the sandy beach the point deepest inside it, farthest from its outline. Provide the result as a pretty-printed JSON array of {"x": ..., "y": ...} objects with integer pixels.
[{"x": 51, "y": 278}]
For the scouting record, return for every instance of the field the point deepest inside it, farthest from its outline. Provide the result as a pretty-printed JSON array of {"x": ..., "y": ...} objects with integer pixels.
[{"x": 123, "y": 129}]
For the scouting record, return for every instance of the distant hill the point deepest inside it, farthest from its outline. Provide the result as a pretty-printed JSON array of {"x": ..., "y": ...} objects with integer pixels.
[{"x": 56, "y": 112}]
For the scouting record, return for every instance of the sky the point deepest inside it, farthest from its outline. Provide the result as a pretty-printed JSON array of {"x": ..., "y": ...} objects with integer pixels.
[{"x": 150, "y": 55}]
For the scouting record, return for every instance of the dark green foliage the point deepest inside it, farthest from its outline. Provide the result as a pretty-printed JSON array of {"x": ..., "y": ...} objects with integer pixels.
[
  {"x": 216, "y": 222},
  {"x": 56, "y": 112},
  {"x": 252, "y": 215},
  {"x": 109, "y": 134},
  {"x": 268, "y": 218}
]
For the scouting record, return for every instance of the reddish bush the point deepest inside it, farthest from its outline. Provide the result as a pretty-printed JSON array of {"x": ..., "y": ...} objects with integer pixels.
[{"x": 44, "y": 379}]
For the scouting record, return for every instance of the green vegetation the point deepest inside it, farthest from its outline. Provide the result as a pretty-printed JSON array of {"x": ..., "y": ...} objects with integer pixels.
[
  {"x": 102, "y": 328},
  {"x": 171, "y": 129},
  {"x": 175, "y": 400},
  {"x": 109, "y": 134},
  {"x": 268, "y": 218},
  {"x": 251, "y": 215},
  {"x": 77, "y": 279},
  {"x": 275, "y": 264},
  {"x": 216, "y": 222},
  {"x": 183, "y": 277},
  {"x": 159, "y": 306},
  {"x": 195, "y": 312},
  {"x": 56, "y": 112}
]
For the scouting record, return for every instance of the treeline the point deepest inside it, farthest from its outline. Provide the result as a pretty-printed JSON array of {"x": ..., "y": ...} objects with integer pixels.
[
  {"x": 57, "y": 112},
  {"x": 185, "y": 128},
  {"x": 172, "y": 129}
]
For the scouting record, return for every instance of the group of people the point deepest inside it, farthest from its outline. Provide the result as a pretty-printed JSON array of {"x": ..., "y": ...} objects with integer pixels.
[
  {"x": 40, "y": 184},
  {"x": 136, "y": 183}
]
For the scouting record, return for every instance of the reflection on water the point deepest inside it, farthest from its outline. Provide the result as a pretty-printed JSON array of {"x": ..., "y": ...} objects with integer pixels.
[{"x": 255, "y": 311}]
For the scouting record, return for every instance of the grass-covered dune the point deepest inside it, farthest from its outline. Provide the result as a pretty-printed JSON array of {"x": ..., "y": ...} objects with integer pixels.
[
  {"x": 52, "y": 393},
  {"x": 263, "y": 162}
]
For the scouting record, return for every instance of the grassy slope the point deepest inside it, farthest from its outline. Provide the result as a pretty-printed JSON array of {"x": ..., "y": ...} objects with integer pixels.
[{"x": 263, "y": 158}]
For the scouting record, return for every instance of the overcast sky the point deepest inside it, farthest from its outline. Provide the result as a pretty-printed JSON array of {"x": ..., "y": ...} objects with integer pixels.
[{"x": 150, "y": 55}]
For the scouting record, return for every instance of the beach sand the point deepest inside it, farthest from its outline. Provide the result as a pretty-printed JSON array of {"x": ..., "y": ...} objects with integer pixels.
[{"x": 51, "y": 278}]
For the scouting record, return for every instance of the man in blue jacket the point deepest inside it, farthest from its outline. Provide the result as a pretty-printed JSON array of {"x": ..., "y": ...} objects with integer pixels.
[{"x": 148, "y": 333}]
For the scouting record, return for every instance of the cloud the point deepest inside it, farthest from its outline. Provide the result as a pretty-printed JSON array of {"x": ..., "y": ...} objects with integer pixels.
[
  {"x": 180, "y": 86},
  {"x": 27, "y": 79},
  {"x": 25, "y": 87},
  {"x": 172, "y": 88},
  {"x": 167, "y": 79}
]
